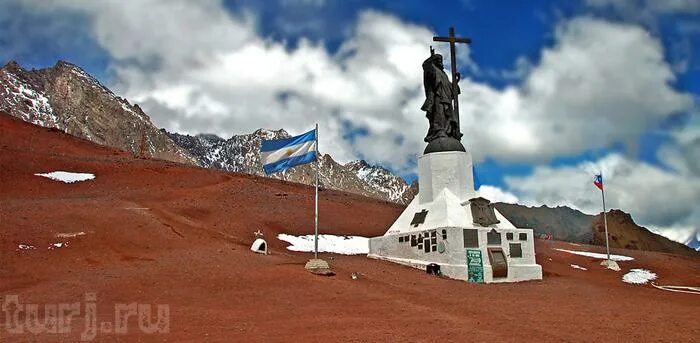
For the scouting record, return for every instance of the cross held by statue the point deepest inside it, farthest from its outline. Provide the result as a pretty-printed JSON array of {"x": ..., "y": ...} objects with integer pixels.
[{"x": 453, "y": 62}]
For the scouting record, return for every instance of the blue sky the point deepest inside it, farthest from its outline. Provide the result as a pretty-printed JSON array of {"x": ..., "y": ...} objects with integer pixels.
[
  {"x": 553, "y": 91},
  {"x": 503, "y": 31}
]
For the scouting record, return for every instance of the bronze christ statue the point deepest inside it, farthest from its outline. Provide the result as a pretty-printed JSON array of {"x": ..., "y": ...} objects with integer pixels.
[
  {"x": 441, "y": 104},
  {"x": 439, "y": 97}
]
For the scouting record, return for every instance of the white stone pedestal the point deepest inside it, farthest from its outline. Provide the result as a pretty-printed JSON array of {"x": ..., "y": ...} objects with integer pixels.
[
  {"x": 447, "y": 230},
  {"x": 451, "y": 170}
]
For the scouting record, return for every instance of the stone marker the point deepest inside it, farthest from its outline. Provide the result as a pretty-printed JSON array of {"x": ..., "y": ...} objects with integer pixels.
[{"x": 319, "y": 266}]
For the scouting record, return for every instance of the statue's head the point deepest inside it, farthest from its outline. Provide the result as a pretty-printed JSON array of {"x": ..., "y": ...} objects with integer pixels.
[{"x": 437, "y": 61}]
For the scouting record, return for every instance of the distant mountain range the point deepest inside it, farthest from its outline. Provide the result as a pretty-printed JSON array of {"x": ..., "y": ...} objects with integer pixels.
[
  {"x": 566, "y": 224},
  {"x": 562, "y": 223},
  {"x": 67, "y": 98},
  {"x": 240, "y": 154}
]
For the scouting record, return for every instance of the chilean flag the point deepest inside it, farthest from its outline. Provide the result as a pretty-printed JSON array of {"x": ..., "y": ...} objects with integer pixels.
[{"x": 598, "y": 181}]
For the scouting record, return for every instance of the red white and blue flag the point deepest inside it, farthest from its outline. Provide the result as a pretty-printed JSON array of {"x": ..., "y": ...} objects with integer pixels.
[{"x": 598, "y": 181}]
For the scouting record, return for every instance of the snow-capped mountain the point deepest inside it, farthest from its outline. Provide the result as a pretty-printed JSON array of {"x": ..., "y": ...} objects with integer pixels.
[
  {"x": 241, "y": 153},
  {"x": 67, "y": 98},
  {"x": 20, "y": 99},
  {"x": 384, "y": 181},
  {"x": 237, "y": 154}
]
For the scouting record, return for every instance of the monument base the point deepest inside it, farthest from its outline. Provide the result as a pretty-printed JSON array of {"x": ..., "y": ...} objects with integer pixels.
[
  {"x": 437, "y": 229},
  {"x": 475, "y": 260}
]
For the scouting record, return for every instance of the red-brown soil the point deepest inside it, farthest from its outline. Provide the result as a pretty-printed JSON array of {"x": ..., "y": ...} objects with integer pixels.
[{"x": 163, "y": 233}]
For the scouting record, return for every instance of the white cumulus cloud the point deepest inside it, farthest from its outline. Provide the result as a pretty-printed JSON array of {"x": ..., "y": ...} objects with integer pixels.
[
  {"x": 664, "y": 200},
  {"x": 196, "y": 67},
  {"x": 648, "y": 7},
  {"x": 600, "y": 83},
  {"x": 496, "y": 194}
]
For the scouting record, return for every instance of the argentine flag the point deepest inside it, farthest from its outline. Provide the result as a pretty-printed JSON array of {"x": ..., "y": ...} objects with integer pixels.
[{"x": 280, "y": 154}]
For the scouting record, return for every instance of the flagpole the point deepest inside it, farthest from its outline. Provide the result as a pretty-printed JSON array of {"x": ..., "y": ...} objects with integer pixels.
[
  {"x": 605, "y": 220},
  {"x": 318, "y": 166}
]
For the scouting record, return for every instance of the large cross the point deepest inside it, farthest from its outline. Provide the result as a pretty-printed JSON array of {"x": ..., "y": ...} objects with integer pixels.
[{"x": 453, "y": 63}]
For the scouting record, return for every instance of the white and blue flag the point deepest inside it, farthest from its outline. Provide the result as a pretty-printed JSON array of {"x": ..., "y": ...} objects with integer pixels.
[{"x": 280, "y": 154}]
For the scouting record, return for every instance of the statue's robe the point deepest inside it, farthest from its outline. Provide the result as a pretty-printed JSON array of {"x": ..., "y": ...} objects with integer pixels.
[{"x": 438, "y": 102}]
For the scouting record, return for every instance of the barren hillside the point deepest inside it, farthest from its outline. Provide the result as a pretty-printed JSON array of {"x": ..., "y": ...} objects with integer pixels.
[{"x": 157, "y": 232}]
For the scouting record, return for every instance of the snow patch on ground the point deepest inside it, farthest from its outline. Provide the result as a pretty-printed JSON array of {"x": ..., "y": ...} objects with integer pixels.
[
  {"x": 69, "y": 234},
  {"x": 576, "y": 266},
  {"x": 638, "y": 276},
  {"x": 346, "y": 245},
  {"x": 67, "y": 177},
  {"x": 58, "y": 245},
  {"x": 597, "y": 255},
  {"x": 25, "y": 247}
]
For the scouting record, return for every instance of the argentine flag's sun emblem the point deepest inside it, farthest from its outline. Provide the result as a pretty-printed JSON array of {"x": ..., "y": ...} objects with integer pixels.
[{"x": 289, "y": 152}]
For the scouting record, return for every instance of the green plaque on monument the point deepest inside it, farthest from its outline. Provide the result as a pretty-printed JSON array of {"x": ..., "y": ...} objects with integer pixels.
[{"x": 475, "y": 266}]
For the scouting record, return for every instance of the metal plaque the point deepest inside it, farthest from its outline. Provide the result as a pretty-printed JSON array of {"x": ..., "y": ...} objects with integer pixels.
[
  {"x": 516, "y": 250},
  {"x": 493, "y": 237},
  {"x": 471, "y": 238},
  {"x": 419, "y": 218},
  {"x": 483, "y": 213}
]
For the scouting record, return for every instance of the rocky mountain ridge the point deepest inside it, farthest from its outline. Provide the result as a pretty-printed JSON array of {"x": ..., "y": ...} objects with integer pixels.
[
  {"x": 240, "y": 154},
  {"x": 67, "y": 98},
  {"x": 627, "y": 234},
  {"x": 566, "y": 224}
]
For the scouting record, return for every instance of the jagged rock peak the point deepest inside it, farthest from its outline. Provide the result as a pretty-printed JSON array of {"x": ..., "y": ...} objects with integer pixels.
[
  {"x": 617, "y": 213},
  {"x": 209, "y": 136},
  {"x": 204, "y": 136},
  {"x": 271, "y": 134},
  {"x": 65, "y": 64},
  {"x": 357, "y": 164},
  {"x": 13, "y": 67},
  {"x": 67, "y": 67},
  {"x": 362, "y": 164}
]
